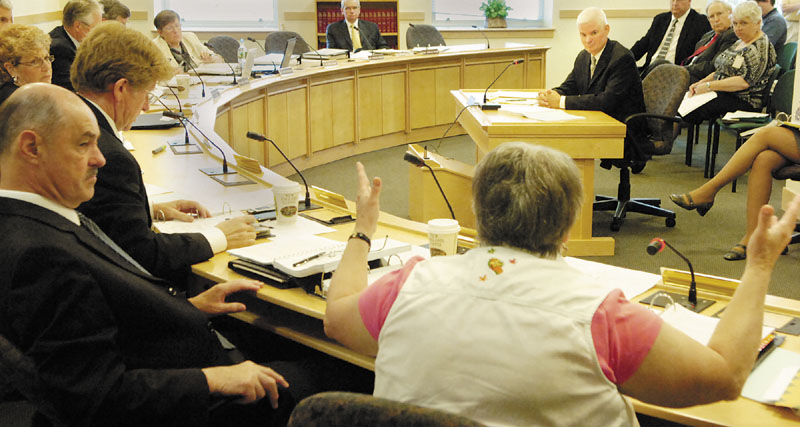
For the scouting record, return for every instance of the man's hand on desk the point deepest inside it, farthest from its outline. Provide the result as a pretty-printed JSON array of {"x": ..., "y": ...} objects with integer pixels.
[
  {"x": 249, "y": 380},
  {"x": 181, "y": 210},
  {"x": 239, "y": 231},
  {"x": 213, "y": 301},
  {"x": 549, "y": 98}
]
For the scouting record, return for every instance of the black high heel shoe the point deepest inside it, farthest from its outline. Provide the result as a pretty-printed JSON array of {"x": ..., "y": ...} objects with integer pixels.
[{"x": 685, "y": 201}]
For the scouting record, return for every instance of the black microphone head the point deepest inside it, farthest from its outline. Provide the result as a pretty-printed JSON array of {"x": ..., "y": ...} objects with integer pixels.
[
  {"x": 410, "y": 24},
  {"x": 173, "y": 115},
  {"x": 519, "y": 61},
  {"x": 475, "y": 27},
  {"x": 256, "y": 136},
  {"x": 413, "y": 159},
  {"x": 656, "y": 245},
  {"x": 252, "y": 40}
]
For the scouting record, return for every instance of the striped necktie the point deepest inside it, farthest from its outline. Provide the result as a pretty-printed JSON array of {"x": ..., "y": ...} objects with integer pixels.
[
  {"x": 92, "y": 227},
  {"x": 593, "y": 66},
  {"x": 662, "y": 53}
]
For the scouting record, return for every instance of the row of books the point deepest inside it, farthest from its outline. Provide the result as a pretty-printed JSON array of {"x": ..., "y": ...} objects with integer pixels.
[{"x": 385, "y": 18}]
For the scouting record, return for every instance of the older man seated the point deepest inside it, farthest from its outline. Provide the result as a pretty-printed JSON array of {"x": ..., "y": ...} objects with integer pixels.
[{"x": 510, "y": 334}]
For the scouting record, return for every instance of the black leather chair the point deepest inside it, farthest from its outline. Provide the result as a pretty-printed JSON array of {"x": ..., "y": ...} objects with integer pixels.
[
  {"x": 276, "y": 42},
  {"x": 343, "y": 409},
  {"x": 663, "y": 90},
  {"x": 421, "y": 35},
  {"x": 226, "y": 46}
]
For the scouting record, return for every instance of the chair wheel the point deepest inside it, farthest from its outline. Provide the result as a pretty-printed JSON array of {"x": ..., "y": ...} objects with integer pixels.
[
  {"x": 616, "y": 224},
  {"x": 670, "y": 222}
]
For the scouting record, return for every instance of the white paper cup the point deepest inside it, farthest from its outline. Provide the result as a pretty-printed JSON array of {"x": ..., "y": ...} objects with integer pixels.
[
  {"x": 286, "y": 202},
  {"x": 443, "y": 236},
  {"x": 184, "y": 82}
]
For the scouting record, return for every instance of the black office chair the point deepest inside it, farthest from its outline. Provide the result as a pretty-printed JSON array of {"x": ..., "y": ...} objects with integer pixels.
[
  {"x": 421, "y": 35},
  {"x": 663, "y": 90},
  {"x": 276, "y": 42},
  {"x": 791, "y": 171},
  {"x": 17, "y": 372},
  {"x": 343, "y": 409},
  {"x": 227, "y": 47}
]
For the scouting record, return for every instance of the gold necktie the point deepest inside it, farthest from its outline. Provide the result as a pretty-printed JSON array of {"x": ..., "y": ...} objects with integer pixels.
[{"x": 355, "y": 37}]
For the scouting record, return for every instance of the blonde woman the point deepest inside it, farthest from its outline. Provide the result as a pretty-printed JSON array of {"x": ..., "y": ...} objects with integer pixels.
[{"x": 25, "y": 57}]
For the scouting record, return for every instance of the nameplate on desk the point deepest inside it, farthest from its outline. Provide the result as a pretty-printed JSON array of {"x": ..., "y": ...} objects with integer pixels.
[
  {"x": 376, "y": 57},
  {"x": 286, "y": 71},
  {"x": 330, "y": 63}
]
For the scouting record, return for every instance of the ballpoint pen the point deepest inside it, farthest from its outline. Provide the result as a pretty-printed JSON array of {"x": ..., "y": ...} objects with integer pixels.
[{"x": 305, "y": 260}]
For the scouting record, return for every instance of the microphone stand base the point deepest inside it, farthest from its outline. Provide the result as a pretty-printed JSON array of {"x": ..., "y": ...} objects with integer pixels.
[
  {"x": 681, "y": 299},
  {"x": 490, "y": 107},
  {"x": 303, "y": 208},
  {"x": 217, "y": 171}
]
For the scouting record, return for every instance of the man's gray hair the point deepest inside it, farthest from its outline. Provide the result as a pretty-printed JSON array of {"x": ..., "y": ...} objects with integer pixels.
[
  {"x": 6, "y": 4},
  {"x": 724, "y": 4},
  {"x": 80, "y": 10},
  {"x": 526, "y": 196},
  {"x": 357, "y": 1},
  {"x": 592, "y": 14},
  {"x": 37, "y": 110}
]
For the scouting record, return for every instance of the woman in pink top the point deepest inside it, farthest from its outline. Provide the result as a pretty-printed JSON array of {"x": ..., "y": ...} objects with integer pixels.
[{"x": 418, "y": 320}]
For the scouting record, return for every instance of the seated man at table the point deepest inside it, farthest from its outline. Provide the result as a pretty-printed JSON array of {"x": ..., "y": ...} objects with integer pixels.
[
  {"x": 79, "y": 17},
  {"x": 109, "y": 344},
  {"x": 114, "y": 71},
  {"x": 721, "y": 37},
  {"x": 603, "y": 78},
  {"x": 510, "y": 334},
  {"x": 352, "y": 33}
]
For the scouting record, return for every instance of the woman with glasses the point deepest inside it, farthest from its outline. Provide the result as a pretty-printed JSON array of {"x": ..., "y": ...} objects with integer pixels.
[
  {"x": 182, "y": 50},
  {"x": 25, "y": 57}
]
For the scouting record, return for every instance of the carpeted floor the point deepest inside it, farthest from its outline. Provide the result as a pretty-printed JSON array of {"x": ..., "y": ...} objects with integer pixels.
[{"x": 702, "y": 239}]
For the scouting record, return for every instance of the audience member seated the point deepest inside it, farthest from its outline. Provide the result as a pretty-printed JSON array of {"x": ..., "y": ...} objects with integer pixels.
[
  {"x": 741, "y": 72},
  {"x": 114, "y": 72},
  {"x": 766, "y": 151},
  {"x": 184, "y": 51},
  {"x": 490, "y": 328},
  {"x": 774, "y": 24},
  {"x": 79, "y": 17},
  {"x": 672, "y": 35},
  {"x": 25, "y": 57},
  {"x": 111, "y": 345},
  {"x": 720, "y": 38},
  {"x": 604, "y": 77},
  {"x": 5, "y": 13},
  {"x": 114, "y": 10},
  {"x": 354, "y": 34}
]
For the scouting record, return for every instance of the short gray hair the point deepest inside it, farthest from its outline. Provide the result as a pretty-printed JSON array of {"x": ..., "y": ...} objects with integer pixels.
[
  {"x": 30, "y": 108},
  {"x": 724, "y": 4},
  {"x": 592, "y": 14},
  {"x": 6, "y": 4},
  {"x": 79, "y": 10},
  {"x": 526, "y": 196},
  {"x": 357, "y": 1},
  {"x": 747, "y": 10}
]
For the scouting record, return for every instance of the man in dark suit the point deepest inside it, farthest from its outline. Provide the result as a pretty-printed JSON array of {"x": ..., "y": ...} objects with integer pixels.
[
  {"x": 672, "y": 35},
  {"x": 79, "y": 17},
  {"x": 701, "y": 63},
  {"x": 612, "y": 85},
  {"x": 110, "y": 344},
  {"x": 352, "y": 33},
  {"x": 120, "y": 205}
]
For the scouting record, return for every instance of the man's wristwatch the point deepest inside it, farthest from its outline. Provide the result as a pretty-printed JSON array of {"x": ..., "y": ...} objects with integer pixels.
[{"x": 362, "y": 236}]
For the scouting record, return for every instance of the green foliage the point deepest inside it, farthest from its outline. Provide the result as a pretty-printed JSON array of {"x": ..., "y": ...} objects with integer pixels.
[{"x": 495, "y": 9}]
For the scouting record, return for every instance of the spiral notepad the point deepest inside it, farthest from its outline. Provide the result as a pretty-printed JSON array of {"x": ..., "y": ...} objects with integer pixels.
[{"x": 307, "y": 255}]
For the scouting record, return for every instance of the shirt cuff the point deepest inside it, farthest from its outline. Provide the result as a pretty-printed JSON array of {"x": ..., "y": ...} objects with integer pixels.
[
  {"x": 216, "y": 239},
  {"x": 562, "y": 102}
]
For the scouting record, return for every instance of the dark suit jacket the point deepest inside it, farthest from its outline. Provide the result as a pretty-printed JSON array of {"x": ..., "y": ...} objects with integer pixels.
[
  {"x": 695, "y": 26},
  {"x": 6, "y": 90},
  {"x": 703, "y": 64},
  {"x": 111, "y": 344},
  {"x": 615, "y": 88},
  {"x": 63, "y": 49},
  {"x": 120, "y": 207},
  {"x": 338, "y": 36}
]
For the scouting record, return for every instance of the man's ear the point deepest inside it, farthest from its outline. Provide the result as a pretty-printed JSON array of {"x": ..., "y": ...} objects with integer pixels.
[
  {"x": 119, "y": 88},
  {"x": 29, "y": 144}
]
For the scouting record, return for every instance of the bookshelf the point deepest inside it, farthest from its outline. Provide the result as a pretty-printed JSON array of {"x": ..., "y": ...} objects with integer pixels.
[{"x": 381, "y": 12}]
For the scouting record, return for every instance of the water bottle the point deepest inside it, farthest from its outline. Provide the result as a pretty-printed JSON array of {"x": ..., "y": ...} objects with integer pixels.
[{"x": 242, "y": 54}]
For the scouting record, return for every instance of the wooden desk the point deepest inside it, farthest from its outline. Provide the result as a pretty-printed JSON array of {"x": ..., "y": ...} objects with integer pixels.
[{"x": 597, "y": 136}]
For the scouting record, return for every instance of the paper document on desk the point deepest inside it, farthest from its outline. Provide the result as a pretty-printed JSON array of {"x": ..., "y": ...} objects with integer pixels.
[
  {"x": 697, "y": 326},
  {"x": 691, "y": 103},
  {"x": 774, "y": 381},
  {"x": 610, "y": 277},
  {"x": 541, "y": 114},
  {"x": 196, "y": 226}
]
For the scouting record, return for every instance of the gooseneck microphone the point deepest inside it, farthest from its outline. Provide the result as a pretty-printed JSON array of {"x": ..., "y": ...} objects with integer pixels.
[
  {"x": 180, "y": 109},
  {"x": 416, "y": 161},
  {"x": 183, "y": 118},
  {"x": 657, "y": 245},
  {"x": 233, "y": 72},
  {"x": 321, "y": 61},
  {"x": 259, "y": 137},
  {"x": 487, "y": 106},
  {"x": 187, "y": 59},
  {"x": 483, "y": 34},
  {"x": 264, "y": 49}
]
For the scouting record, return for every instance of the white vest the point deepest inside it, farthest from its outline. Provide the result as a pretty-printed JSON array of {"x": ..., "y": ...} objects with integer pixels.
[{"x": 499, "y": 336}]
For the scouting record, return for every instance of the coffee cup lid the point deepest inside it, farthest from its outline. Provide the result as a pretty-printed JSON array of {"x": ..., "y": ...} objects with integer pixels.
[
  {"x": 286, "y": 187},
  {"x": 443, "y": 225}
]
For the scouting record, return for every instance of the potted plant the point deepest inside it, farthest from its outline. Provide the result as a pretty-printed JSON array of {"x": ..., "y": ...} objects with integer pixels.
[{"x": 495, "y": 12}]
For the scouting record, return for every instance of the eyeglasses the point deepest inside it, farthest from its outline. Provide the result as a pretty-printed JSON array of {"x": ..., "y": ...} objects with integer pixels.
[
  {"x": 171, "y": 28},
  {"x": 38, "y": 62}
]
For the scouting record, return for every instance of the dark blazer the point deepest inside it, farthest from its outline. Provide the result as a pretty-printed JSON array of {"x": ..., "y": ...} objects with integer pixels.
[
  {"x": 112, "y": 345},
  {"x": 703, "y": 64},
  {"x": 615, "y": 88},
  {"x": 120, "y": 207},
  {"x": 63, "y": 49},
  {"x": 338, "y": 36},
  {"x": 6, "y": 90},
  {"x": 695, "y": 26}
]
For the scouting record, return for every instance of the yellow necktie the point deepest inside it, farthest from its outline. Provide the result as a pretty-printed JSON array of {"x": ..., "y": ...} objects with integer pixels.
[{"x": 356, "y": 38}]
